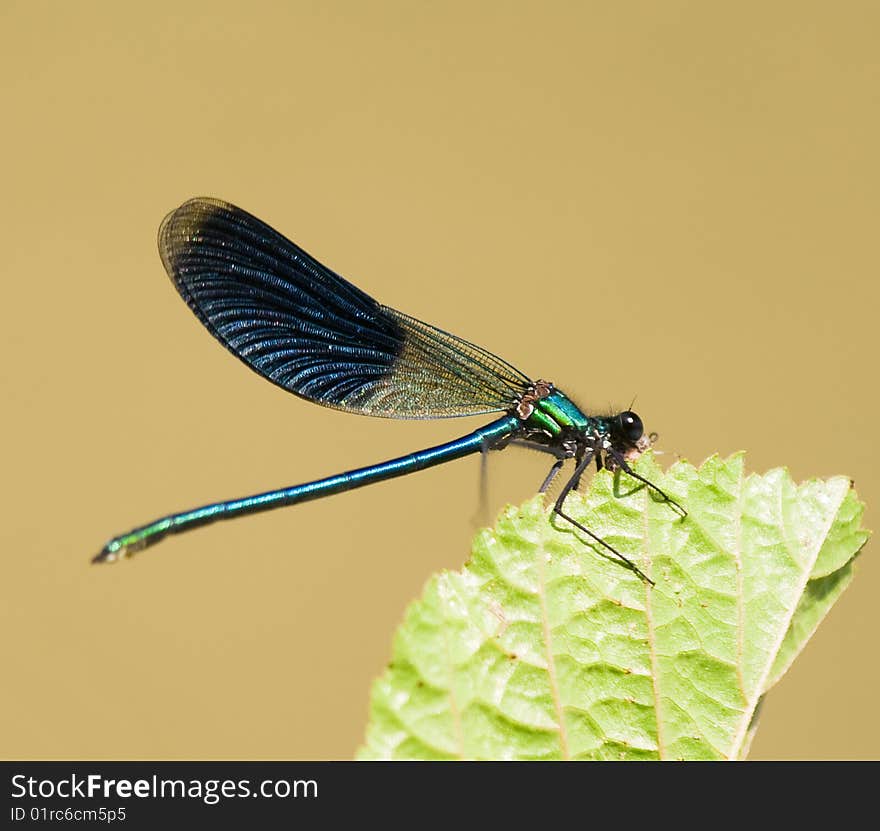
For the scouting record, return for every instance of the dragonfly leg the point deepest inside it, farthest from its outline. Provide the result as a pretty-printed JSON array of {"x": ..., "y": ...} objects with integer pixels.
[
  {"x": 624, "y": 466},
  {"x": 582, "y": 464},
  {"x": 541, "y": 448},
  {"x": 558, "y": 509},
  {"x": 561, "y": 457},
  {"x": 599, "y": 466},
  {"x": 579, "y": 468},
  {"x": 557, "y": 466}
]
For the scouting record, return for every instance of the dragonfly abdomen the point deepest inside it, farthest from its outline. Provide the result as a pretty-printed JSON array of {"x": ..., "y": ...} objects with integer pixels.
[{"x": 485, "y": 438}]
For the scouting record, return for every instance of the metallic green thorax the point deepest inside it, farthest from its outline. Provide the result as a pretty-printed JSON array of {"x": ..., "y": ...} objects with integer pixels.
[{"x": 557, "y": 412}]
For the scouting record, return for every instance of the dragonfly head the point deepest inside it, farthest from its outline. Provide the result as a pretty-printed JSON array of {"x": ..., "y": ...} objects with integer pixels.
[{"x": 626, "y": 429}]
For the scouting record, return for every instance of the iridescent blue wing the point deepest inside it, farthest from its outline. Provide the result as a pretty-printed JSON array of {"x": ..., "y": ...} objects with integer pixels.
[{"x": 313, "y": 333}]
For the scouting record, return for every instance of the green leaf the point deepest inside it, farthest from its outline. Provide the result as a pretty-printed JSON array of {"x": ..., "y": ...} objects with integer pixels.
[{"x": 542, "y": 647}]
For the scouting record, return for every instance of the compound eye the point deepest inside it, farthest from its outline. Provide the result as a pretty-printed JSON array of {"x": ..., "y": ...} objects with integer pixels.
[{"x": 631, "y": 426}]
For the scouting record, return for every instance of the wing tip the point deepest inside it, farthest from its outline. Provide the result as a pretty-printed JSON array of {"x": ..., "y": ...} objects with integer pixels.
[{"x": 182, "y": 222}]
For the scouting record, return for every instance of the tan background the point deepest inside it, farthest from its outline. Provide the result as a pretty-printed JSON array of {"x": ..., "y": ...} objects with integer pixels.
[{"x": 676, "y": 200}]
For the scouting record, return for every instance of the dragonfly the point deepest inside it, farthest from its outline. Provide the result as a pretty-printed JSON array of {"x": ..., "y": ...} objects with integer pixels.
[{"x": 316, "y": 335}]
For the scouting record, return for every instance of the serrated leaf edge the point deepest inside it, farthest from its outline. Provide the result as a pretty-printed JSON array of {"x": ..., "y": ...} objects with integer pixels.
[{"x": 741, "y": 734}]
